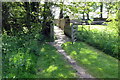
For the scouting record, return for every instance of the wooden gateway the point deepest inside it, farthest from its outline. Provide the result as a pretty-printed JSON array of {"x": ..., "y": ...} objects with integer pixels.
[{"x": 70, "y": 31}]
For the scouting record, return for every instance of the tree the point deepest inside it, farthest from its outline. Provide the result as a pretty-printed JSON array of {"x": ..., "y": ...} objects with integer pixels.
[
  {"x": 101, "y": 10},
  {"x": 5, "y": 10},
  {"x": 28, "y": 17},
  {"x": 34, "y": 11},
  {"x": 118, "y": 17},
  {"x": 12, "y": 19},
  {"x": 89, "y": 8},
  {"x": 47, "y": 19},
  {"x": 111, "y": 8},
  {"x": 61, "y": 10}
]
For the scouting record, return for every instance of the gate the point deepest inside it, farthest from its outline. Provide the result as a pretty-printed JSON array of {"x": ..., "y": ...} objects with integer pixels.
[{"x": 74, "y": 30}]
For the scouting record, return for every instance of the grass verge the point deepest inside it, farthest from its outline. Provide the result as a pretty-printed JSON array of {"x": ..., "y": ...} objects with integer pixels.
[
  {"x": 51, "y": 64},
  {"x": 102, "y": 37},
  {"x": 27, "y": 58},
  {"x": 94, "y": 61}
]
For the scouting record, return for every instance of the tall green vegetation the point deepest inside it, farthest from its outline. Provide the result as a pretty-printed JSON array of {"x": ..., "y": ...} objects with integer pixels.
[
  {"x": 23, "y": 23},
  {"x": 26, "y": 27},
  {"x": 105, "y": 38},
  {"x": 84, "y": 8},
  {"x": 101, "y": 9},
  {"x": 101, "y": 37},
  {"x": 23, "y": 15},
  {"x": 118, "y": 25},
  {"x": 47, "y": 19},
  {"x": 118, "y": 18},
  {"x": 97, "y": 63}
]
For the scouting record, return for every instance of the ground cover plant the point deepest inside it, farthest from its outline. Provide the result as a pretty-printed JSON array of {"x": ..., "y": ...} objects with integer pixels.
[
  {"x": 31, "y": 59},
  {"x": 94, "y": 61},
  {"x": 19, "y": 56},
  {"x": 51, "y": 64},
  {"x": 28, "y": 26},
  {"x": 102, "y": 37}
]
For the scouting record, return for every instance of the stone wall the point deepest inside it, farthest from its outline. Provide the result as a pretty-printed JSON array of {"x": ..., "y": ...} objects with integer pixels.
[{"x": 60, "y": 23}]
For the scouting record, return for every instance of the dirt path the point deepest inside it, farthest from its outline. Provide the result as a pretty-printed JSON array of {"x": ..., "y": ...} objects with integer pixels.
[{"x": 61, "y": 38}]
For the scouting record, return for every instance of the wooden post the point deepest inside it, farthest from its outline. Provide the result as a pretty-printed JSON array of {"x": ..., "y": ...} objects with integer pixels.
[
  {"x": 67, "y": 28},
  {"x": 67, "y": 21},
  {"x": 51, "y": 31},
  {"x": 74, "y": 29}
]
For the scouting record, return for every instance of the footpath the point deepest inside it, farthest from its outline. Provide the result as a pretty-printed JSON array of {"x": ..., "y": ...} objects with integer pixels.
[{"x": 61, "y": 38}]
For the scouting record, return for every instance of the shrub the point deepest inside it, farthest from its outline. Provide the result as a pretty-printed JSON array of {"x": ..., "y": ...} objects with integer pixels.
[{"x": 102, "y": 39}]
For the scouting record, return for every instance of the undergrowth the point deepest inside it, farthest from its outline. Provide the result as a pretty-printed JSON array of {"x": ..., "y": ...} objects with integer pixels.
[{"x": 101, "y": 37}]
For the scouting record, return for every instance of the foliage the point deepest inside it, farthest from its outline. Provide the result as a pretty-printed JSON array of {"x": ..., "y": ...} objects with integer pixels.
[
  {"x": 25, "y": 28},
  {"x": 13, "y": 18},
  {"x": 118, "y": 24},
  {"x": 20, "y": 41},
  {"x": 23, "y": 57},
  {"x": 19, "y": 57},
  {"x": 51, "y": 64},
  {"x": 21, "y": 38},
  {"x": 19, "y": 53},
  {"x": 94, "y": 61},
  {"x": 20, "y": 16},
  {"x": 104, "y": 38},
  {"x": 23, "y": 41},
  {"x": 82, "y": 9}
]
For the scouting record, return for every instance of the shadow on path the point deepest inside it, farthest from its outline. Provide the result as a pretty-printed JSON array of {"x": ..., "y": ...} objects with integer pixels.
[{"x": 61, "y": 38}]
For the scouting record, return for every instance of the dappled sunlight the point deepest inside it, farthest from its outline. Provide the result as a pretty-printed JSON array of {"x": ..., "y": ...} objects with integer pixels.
[
  {"x": 31, "y": 43},
  {"x": 94, "y": 61},
  {"x": 100, "y": 69},
  {"x": 73, "y": 53},
  {"x": 19, "y": 59},
  {"x": 60, "y": 75},
  {"x": 43, "y": 49},
  {"x": 98, "y": 27},
  {"x": 85, "y": 61},
  {"x": 85, "y": 51},
  {"x": 93, "y": 56},
  {"x": 102, "y": 37},
  {"x": 52, "y": 65},
  {"x": 51, "y": 68}
]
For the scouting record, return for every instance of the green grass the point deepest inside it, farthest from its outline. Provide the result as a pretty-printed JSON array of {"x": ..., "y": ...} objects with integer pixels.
[
  {"x": 51, "y": 64},
  {"x": 94, "y": 61},
  {"x": 100, "y": 28},
  {"x": 32, "y": 59},
  {"x": 25, "y": 55},
  {"x": 104, "y": 38}
]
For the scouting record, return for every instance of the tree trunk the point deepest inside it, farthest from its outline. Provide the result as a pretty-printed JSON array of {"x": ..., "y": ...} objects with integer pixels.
[
  {"x": 28, "y": 17},
  {"x": 61, "y": 14},
  {"x": 88, "y": 16},
  {"x": 35, "y": 9},
  {"x": 101, "y": 10},
  {"x": 46, "y": 23},
  {"x": 83, "y": 16},
  {"x": 5, "y": 17}
]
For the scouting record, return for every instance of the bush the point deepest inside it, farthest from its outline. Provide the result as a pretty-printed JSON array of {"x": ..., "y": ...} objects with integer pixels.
[
  {"x": 19, "y": 54},
  {"x": 102, "y": 39}
]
